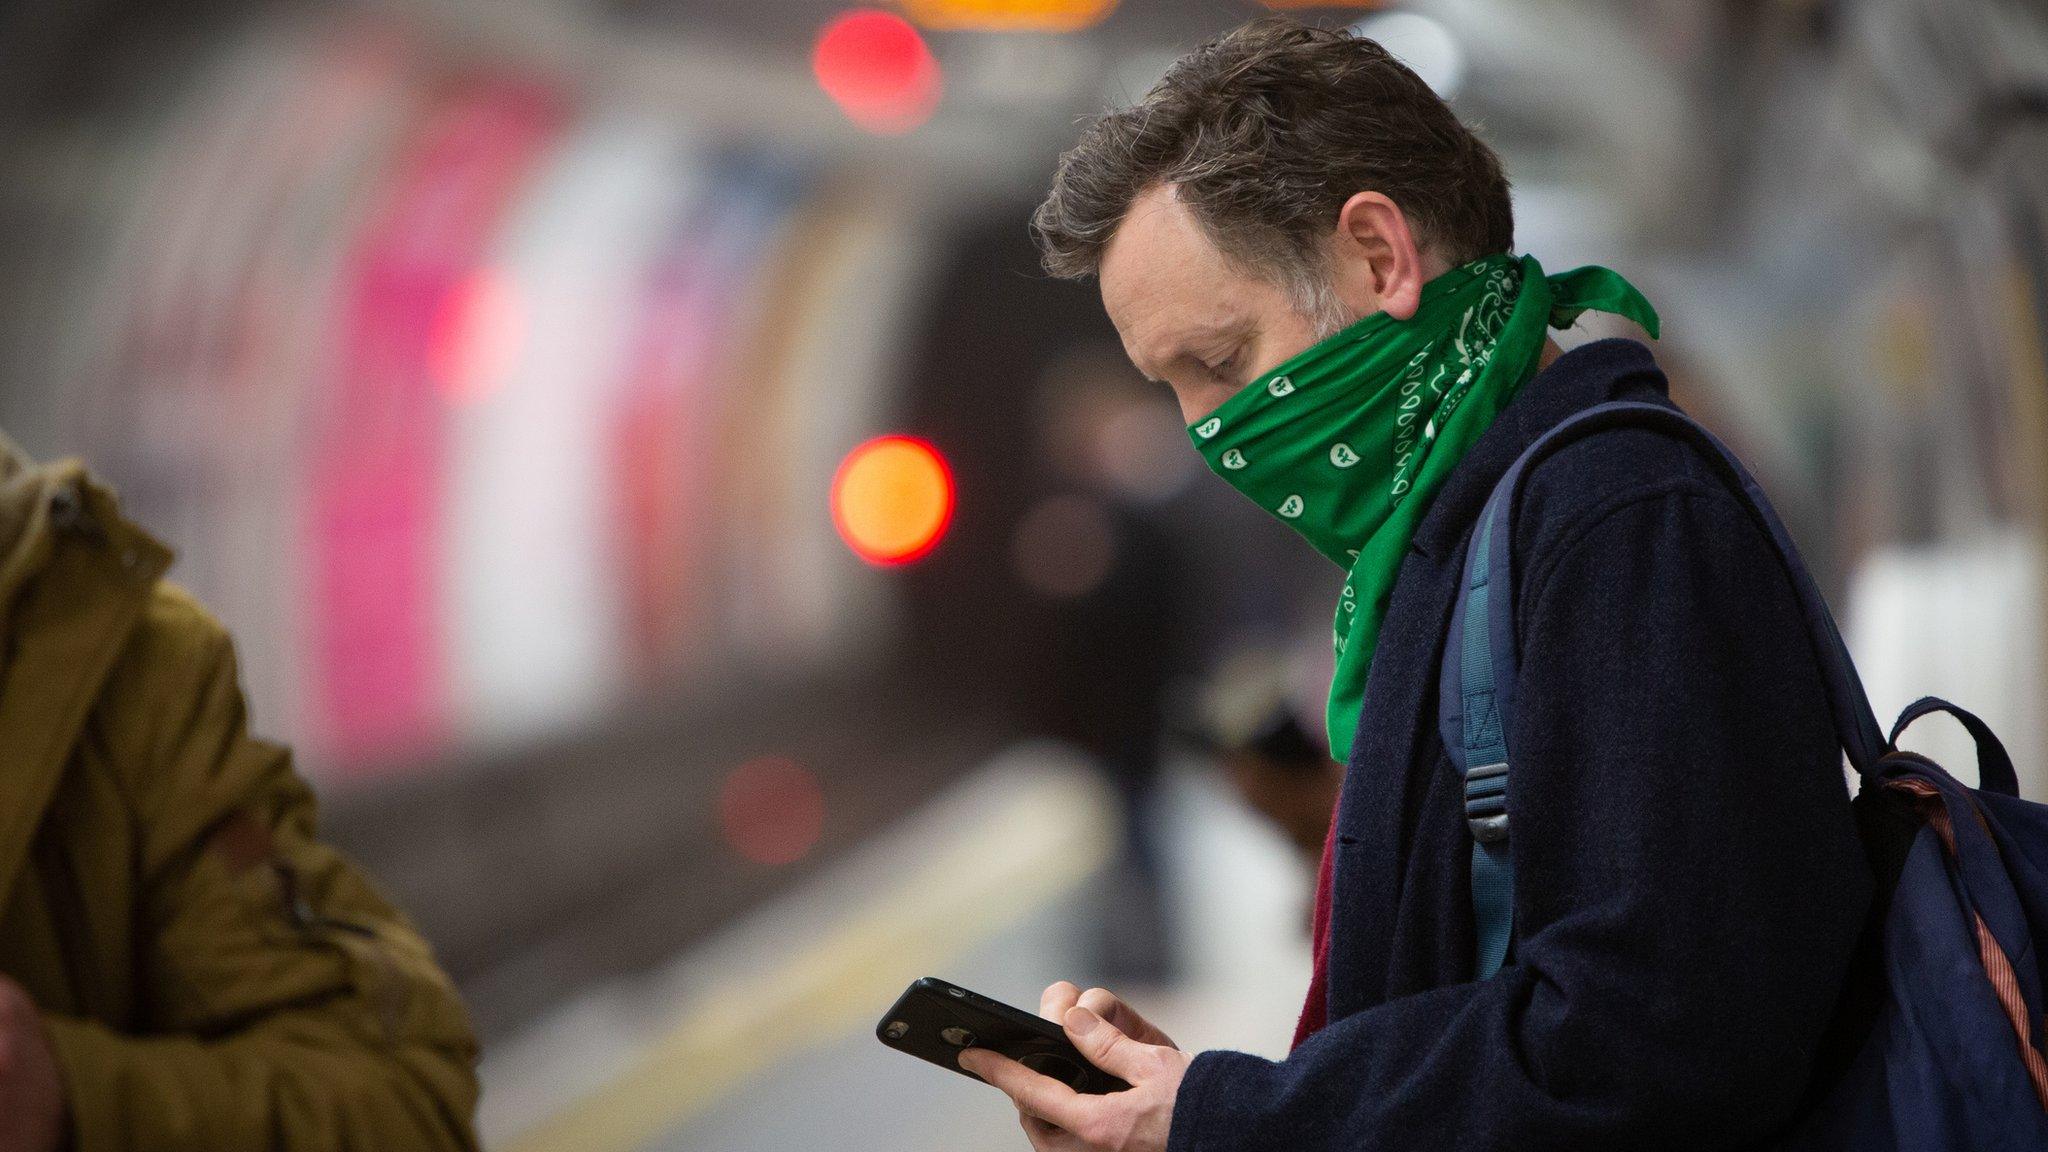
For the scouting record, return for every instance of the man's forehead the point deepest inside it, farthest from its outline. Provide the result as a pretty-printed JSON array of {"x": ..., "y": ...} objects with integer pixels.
[
  {"x": 1163, "y": 284},
  {"x": 1156, "y": 245}
]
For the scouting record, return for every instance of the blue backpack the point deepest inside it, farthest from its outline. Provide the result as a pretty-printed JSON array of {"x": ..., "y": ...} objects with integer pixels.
[{"x": 1954, "y": 1056}]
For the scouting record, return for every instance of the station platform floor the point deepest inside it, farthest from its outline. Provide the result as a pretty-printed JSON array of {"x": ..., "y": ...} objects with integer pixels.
[{"x": 761, "y": 1040}]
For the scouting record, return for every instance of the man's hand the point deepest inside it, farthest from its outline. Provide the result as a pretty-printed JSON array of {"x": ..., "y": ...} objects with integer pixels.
[
  {"x": 31, "y": 1095},
  {"x": 1060, "y": 998},
  {"x": 1115, "y": 1039}
]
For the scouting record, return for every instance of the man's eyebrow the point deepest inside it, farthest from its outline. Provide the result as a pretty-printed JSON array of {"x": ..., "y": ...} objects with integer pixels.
[
  {"x": 1180, "y": 348},
  {"x": 1231, "y": 330}
]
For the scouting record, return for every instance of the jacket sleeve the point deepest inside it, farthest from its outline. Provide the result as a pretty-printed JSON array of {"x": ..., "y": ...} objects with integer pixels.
[
  {"x": 1703, "y": 888},
  {"x": 287, "y": 1006}
]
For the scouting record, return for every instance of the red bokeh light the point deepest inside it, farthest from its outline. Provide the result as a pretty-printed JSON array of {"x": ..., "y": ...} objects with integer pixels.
[
  {"x": 771, "y": 810},
  {"x": 876, "y": 67},
  {"x": 892, "y": 499}
]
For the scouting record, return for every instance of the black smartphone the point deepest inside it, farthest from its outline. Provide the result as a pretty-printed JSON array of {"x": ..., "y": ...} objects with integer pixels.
[{"x": 934, "y": 1020}]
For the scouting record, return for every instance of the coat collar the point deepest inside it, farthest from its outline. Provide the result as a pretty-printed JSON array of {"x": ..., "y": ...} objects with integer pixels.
[
  {"x": 67, "y": 629},
  {"x": 1590, "y": 374}
]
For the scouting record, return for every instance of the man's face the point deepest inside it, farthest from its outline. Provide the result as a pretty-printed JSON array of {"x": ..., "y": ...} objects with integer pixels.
[{"x": 1187, "y": 318}]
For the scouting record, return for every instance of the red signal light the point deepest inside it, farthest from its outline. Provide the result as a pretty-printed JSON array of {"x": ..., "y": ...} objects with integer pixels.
[{"x": 876, "y": 67}]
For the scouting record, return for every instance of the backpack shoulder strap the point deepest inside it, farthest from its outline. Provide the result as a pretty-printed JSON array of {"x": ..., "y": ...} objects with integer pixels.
[{"x": 1477, "y": 685}]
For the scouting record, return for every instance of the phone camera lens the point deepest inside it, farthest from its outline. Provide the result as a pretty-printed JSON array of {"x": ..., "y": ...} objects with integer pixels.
[
  {"x": 896, "y": 1030},
  {"x": 958, "y": 1037}
]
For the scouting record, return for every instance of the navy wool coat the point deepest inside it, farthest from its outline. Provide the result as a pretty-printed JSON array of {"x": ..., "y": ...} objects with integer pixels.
[{"x": 1689, "y": 886}]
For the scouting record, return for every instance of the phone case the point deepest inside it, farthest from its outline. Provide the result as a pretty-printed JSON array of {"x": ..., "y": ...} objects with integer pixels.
[{"x": 933, "y": 1020}]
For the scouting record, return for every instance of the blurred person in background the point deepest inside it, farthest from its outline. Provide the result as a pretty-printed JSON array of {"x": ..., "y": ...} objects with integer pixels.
[
  {"x": 1110, "y": 581},
  {"x": 183, "y": 965},
  {"x": 1278, "y": 764},
  {"x": 1301, "y": 240}
]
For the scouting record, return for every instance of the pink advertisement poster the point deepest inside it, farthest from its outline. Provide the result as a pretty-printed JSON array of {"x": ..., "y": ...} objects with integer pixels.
[{"x": 376, "y": 474}]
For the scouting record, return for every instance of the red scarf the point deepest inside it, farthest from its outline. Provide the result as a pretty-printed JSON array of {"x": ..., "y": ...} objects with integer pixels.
[{"x": 1316, "y": 1012}]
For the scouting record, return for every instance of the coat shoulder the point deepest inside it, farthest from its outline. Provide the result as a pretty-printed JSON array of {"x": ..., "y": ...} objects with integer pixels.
[
  {"x": 171, "y": 667},
  {"x": 1583, "y": 481},
  {"x": 175, "y": 649},
  {"x": 175, "y": 618}
]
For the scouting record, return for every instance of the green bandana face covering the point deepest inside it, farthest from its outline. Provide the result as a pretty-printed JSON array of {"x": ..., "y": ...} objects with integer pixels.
[{"x": 1349, "y": 441}]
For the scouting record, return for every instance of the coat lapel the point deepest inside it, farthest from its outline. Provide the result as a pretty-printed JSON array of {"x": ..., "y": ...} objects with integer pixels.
[
  {"x": 68, "y": 628},
  {"x": 1381, "y": 795}
]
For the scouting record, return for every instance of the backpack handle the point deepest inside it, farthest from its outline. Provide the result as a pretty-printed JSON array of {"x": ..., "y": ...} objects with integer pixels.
[{"x": 1994, "y": 764}]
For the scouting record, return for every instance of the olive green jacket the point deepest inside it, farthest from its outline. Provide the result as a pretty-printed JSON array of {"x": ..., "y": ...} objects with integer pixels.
[{"x": 212, "y": 976}]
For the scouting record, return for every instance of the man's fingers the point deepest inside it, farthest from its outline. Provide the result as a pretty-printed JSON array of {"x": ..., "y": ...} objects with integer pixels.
[
  {"x": 1105, "y": 1004},
  {"x": 1107, "y": 1047},
  {"x": 1112, "y": 1008},
  {"x": 1057, "y": 998},
  {"x": 1041, "y": 1096}
]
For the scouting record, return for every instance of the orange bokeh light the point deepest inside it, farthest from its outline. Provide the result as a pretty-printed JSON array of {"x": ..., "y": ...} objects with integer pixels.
[
  {"x": 892, "y": 499},
  {"x": 1009, "y": 15},
  {"x": 876, "y": 67},
  {"x": 771, "y": 810}
]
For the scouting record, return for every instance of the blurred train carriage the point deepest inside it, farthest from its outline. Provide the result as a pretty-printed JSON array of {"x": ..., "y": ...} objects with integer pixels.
[{"x": 490, "y": 366}]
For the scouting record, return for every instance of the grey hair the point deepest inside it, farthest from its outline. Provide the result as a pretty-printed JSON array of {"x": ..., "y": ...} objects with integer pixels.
[{"x": 1264, "y": 133}]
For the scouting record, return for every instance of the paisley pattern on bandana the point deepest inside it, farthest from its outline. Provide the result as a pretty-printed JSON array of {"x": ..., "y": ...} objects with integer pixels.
[{"x": 1348, "y": 442}]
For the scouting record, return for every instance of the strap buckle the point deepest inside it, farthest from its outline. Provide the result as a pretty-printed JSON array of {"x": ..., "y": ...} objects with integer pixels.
[{"x": 1486, "y": 802}]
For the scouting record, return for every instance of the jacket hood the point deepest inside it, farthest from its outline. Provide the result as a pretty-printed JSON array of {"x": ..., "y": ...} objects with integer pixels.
[
  {"x": 25, "y": 528},
  {"x": 76, "y": 577}
]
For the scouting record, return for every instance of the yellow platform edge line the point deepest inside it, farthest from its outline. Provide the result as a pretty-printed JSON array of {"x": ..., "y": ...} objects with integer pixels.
[{"x": 1039, "y": 846}]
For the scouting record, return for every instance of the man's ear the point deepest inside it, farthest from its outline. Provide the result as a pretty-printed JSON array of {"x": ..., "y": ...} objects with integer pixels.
[{"x": 1379, "y": 267}]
